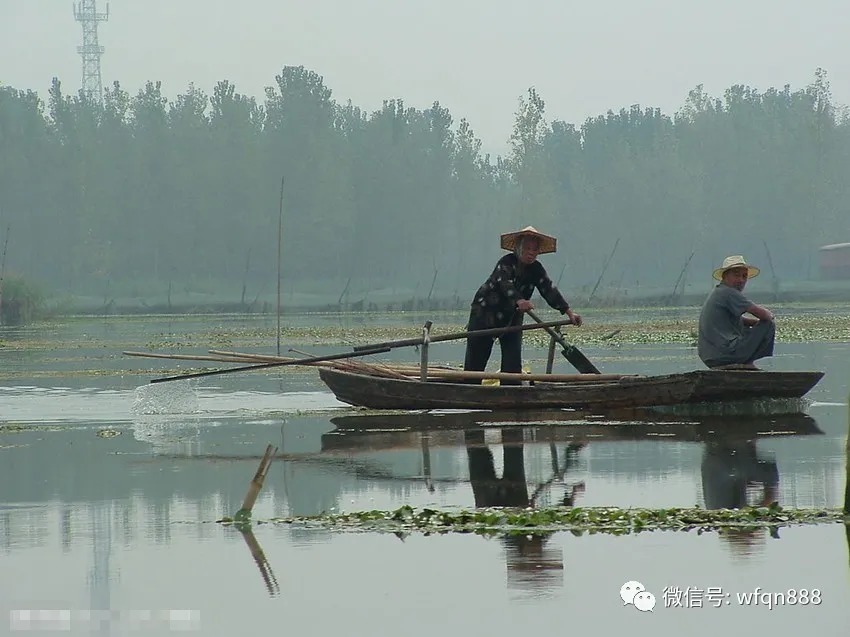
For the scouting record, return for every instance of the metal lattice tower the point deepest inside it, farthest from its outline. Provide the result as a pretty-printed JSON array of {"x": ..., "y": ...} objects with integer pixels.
[{"x": 86, "y": 13}]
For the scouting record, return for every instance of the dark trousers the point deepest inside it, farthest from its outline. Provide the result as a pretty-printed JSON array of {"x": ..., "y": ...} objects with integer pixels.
[
  {"x": 757, "y": 342},
  {"x": 479, "y": 348}
]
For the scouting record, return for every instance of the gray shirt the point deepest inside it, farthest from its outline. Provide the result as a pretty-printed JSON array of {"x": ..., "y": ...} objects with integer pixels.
[{"x": 721, "y": 325}]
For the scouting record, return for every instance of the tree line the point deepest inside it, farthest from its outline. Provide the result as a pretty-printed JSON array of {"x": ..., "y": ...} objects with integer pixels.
[{"x": 141, "y": 193}]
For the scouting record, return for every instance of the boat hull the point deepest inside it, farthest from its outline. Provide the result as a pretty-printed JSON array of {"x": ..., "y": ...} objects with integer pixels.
[{"x": 702, "y": 386}]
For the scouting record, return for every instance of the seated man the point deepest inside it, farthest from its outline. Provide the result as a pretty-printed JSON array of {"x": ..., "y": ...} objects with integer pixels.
[{"x": 727, "y": 338}]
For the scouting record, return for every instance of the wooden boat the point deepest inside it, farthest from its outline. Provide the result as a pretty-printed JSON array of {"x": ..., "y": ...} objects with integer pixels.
[{"x": 695, "y": 387}]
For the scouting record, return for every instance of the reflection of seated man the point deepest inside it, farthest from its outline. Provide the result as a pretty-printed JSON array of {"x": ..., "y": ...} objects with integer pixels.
[
  {"x": 730, "y": 469},
  {"x": 530, "y": 563}
]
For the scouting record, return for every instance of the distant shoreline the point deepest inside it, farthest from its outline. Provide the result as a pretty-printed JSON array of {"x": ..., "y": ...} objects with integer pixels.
[{"x": 802, "y": 292}]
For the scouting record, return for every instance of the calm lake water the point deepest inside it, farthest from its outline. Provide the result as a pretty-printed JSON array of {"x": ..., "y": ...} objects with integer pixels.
[{"x": 110, "y": 488}]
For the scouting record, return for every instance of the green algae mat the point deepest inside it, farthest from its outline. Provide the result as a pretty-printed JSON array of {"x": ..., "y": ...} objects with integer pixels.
[{"x": 579, "y": 520}]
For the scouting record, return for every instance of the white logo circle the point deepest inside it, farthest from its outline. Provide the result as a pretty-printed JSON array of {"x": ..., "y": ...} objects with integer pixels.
[{"x": 629, "y": 590}]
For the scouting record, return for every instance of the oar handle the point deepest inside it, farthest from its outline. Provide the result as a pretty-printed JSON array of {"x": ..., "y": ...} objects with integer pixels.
[{"x": 558, "y": 338}]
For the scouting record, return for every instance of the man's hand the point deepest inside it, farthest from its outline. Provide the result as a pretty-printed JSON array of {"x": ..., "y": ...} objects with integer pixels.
[
  {"x": 575, "y": 318},
  {"x": 760, "y": 312},
  {"x": 523, "y": 305}
]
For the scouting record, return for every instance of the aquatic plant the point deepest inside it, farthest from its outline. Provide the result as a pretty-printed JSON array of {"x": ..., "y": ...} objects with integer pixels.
[{"x": 579, "y": 520}]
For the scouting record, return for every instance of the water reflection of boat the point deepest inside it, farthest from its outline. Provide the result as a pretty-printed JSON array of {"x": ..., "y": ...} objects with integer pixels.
[
  {"x": 729, "y": 465},
  {"x": 577, "y": 392},
  {"x": 375, "y": 432},
  {"x": 731, "y": 468}
]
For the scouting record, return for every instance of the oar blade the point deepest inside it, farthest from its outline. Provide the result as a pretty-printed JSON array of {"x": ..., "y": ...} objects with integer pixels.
[
  {"x": 570, "y": 352},
  {"x": 579, "y": 360}
]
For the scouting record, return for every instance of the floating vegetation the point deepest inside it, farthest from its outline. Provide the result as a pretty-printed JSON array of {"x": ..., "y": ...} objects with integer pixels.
[
  {"x": 579, "y": 520},
  {"x": 609, "y": 327},
  {"x": 643, "y": 329},
  {"x": 108, "y": 433},
  {"x": 14, "y": 428}
]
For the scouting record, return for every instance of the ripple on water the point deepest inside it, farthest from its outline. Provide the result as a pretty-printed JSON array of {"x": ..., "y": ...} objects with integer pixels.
[{"x": 165, "y": 398}]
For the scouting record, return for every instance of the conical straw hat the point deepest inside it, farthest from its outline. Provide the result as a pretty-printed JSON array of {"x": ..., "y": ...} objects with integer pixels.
[{"x": 547, "y": 243}]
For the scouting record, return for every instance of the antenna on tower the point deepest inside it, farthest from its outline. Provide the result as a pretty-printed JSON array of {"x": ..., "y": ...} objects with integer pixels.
[{"x": 86, "y": 13}]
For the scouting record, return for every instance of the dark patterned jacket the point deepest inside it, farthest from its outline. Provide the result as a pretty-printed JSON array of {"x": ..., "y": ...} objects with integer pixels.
[{"x": 494, "y": 304}]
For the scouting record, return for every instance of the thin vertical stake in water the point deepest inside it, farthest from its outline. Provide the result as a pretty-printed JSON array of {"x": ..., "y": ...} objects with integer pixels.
[
  {"x": 279, "y": 242},
  {"x": 3, "y": 270}
]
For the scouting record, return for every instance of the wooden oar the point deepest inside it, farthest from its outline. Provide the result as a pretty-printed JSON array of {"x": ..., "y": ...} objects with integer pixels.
[
  {"x": 570, "y": 352},
  {"x": 496, "y": 331},
  {"x": 296, "y": 361}
]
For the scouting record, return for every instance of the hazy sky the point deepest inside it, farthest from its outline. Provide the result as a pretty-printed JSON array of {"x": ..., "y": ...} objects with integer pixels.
[{"x": 476, "y": 57}]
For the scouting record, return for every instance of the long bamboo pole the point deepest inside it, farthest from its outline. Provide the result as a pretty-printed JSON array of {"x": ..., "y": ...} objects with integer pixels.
[
  {"x": 266, "y": 358},
  {"x": 385, "y": 369},
  {"x": 397, "y": 370},
  {"x": 408, "y": 342},
  {"x": 191, "y": 357},
  {"x": 300, "y": 361}
]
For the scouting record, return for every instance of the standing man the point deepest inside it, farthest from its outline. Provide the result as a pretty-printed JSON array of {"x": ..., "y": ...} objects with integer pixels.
[
  {"x": 504, "y": 297},
  {"x": 727, "y": 338}
]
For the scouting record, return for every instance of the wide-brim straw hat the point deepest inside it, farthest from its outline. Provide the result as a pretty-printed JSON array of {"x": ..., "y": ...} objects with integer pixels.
[
  {"x": 736, "y": 261},
  {"x": 547, "y": 243}
]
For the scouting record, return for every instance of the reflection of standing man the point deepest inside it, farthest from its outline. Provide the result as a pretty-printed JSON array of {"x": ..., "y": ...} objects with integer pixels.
[
  {"x": 509, "y": 491},
  {"x": 530, "y": 562}
]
